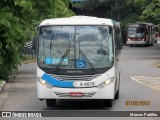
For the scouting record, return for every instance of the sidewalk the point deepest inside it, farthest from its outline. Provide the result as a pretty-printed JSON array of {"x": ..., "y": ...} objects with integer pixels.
[
  {"x": 2, "y": 85},
  {"x": 23, "y": 85}
]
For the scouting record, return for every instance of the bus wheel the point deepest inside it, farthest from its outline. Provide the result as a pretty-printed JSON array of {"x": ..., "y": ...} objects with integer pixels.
[
  {"x": 146, "y": 45},
  {"x": 108, "y": 102},
  {"x": 117, "y": 95},
  {"x": 155, "y": 41},
  {"x": 130, "y": 45},
  {"x": 151, "y": 44},
  {"x": 51, "y": 102}
]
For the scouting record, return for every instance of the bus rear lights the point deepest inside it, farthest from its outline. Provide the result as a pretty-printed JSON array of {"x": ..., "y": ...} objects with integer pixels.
[
  {"x": 105, "y": 83},
  {"x": 129, "y": 39}
]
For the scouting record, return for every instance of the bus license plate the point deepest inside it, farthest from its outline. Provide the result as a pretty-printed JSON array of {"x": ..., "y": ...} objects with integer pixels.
[
  {"x": 76, "y": 94},
  {"x": 84, "y": 84}
]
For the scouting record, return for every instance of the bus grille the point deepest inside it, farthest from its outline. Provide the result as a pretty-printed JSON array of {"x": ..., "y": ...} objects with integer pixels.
[
  {"x": 68, "y": 94},
  {"x": 75, "y": 77}
]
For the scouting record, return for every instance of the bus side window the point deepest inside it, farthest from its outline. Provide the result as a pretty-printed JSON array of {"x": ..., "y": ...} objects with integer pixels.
[{"x": 118, "y": 38}]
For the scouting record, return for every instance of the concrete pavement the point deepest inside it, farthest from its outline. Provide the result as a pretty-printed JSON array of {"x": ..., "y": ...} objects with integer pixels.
[
  {"x": 21, "y": 89},
  {"x": 4, "y": 82},
  {"x": 150, "y": 81}
]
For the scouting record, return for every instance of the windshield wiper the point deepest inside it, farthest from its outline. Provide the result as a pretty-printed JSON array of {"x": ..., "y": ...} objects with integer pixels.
[
  {"x": 61, "y": 60},
  {"x": 51, "y": 46},
  {"x": 89, "y": 62}
]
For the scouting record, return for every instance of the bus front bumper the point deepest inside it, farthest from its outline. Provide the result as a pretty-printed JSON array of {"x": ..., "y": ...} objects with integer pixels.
[
  {"x": 65, "y": 93},
  {"x": 136, "y": 42}
]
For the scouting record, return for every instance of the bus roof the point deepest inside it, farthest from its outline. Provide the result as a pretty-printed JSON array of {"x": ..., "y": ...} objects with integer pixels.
[
  {"x": 80, "y": 20},
  {"x": 141, "y": 23},
  {"x": 145, "y": 23}
]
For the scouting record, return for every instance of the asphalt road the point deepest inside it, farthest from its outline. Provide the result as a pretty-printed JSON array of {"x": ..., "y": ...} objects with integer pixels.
[{"x": 140, "y": 82}]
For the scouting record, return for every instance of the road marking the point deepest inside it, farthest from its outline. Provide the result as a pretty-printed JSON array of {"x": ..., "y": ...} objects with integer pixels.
[
  {"x": 158, "y": 65},
  {"x": 150, "y": 81}
]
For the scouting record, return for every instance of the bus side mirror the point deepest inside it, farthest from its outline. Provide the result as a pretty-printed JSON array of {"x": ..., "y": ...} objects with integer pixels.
[
  {"x": 34, "y": 42},
  {"x": 36, "y": 29},
  {"x": 35, "y": 39},
  {"x": 119, "y": 44}
]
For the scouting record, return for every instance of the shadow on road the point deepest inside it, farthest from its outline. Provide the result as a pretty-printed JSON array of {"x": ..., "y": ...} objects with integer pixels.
[{"x": 79, "y": 105}]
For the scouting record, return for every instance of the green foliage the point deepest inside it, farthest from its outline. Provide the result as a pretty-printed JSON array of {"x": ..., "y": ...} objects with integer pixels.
[
  {"x": 130, "y": 19},
  {"x": 17, "y": 23},
  {"x": 141, "y": 10},
  {"x": 90, "y": 4},
  {"x": 1, "y": 81},
  {"x": 152, "y": 12},
  {"x": 127, "y": 11}
]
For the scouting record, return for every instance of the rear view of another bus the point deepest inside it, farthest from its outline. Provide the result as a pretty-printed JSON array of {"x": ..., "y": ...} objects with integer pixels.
[
  {"x": 157, "y": 33},
  {"x": 140, "y": 34}
]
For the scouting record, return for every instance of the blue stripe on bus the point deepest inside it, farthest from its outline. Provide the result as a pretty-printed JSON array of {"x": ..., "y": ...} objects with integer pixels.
[{"x": 57, "y": 83}]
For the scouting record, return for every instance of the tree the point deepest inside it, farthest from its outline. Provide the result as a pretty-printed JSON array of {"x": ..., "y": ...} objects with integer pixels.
[
  {"x": 105, "y": 8},
  {"x": 152, "y": 12},
  {"x": 17, "y": 23}
]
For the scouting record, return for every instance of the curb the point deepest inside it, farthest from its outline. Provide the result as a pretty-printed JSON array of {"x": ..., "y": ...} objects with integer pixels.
[
  {"x": 2, "y": 86},
  {"x": 28, "y": 61}
]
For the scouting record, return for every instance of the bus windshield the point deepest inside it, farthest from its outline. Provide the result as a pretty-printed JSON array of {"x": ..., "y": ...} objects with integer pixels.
[
  {"x": 75, "y": 47},
  {"x": 136, "y": 32}
]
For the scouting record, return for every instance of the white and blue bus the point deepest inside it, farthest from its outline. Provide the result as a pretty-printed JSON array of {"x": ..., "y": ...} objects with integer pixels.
[{"x": 78, "y": 58}]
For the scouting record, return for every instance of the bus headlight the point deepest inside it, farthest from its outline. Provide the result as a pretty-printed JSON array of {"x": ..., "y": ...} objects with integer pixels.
[
  {"x": 105, "y": 83},
  {"x": 45, "y": 83}
]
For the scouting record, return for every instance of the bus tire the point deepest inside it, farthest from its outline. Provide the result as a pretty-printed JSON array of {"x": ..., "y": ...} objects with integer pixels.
[
  {"x": 117, "y": 95},
  {"x": 51, "y": 102},
  {"x": 155, "y": 41},
  {"x": 130, "y": 45},
  {"x": 108, "y": 102},
  {"x": 146, "y": 45},
  {"x": 151, "y": 44}
]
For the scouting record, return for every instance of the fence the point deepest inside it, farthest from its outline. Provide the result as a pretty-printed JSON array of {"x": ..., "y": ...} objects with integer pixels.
[{"x": 29, "y": 53}]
